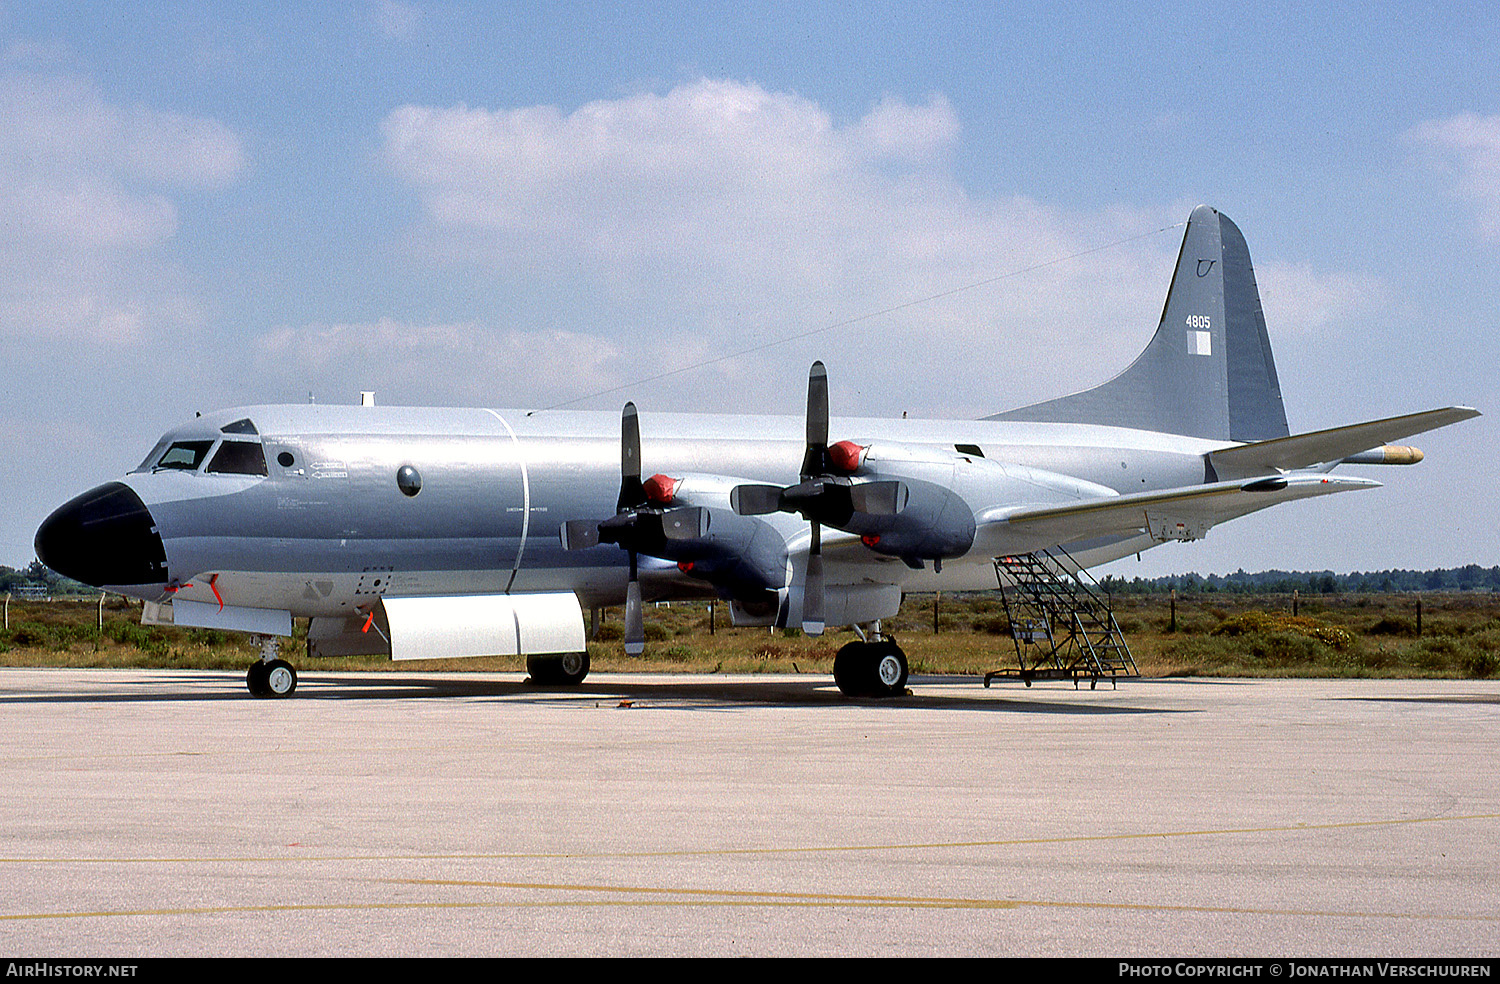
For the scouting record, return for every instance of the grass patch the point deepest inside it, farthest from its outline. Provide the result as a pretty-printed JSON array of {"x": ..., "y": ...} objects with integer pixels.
[{"x": 1218, "y": 634}]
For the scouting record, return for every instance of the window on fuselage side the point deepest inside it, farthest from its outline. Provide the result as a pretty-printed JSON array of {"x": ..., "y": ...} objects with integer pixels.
[
  {"x": 238, "y": 458},
  {"x": 184, "y": 455}
]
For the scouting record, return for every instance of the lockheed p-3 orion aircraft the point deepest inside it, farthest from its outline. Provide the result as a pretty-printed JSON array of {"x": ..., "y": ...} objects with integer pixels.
[{"x": 432, "y": 533}]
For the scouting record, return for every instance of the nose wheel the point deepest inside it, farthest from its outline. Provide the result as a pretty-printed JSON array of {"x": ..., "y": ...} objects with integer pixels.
[{"x": 275, "y": 678}]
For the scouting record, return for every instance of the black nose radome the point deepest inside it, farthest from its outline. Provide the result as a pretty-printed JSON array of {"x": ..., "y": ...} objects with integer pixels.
[{"x": 104, "y": 537}]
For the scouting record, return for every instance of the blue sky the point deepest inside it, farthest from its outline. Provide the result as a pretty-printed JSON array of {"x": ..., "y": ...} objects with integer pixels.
[{"x": 206, "y": 205}]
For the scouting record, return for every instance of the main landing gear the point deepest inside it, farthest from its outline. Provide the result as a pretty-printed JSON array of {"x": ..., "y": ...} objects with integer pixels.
[
  {"x": 564, "y": 669},
  {"x": 871, "y": 669},
  {"x": 270, "y": 676}
]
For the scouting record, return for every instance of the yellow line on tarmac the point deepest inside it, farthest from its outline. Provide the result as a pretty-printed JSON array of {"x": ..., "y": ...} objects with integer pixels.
[
  {"x": 636, "y": 896},
  {"x": 935, "y": 902},
  {"x": 731, "y": 851}
]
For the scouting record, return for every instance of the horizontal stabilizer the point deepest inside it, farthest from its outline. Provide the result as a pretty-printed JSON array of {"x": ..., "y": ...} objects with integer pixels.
[
  {"x": 1173, "y": 514},
  {"x": 1334, "y": 444}
]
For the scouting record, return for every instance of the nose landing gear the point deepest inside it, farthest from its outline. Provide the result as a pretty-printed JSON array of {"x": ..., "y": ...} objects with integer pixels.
[{"x": 270, "y": 676}]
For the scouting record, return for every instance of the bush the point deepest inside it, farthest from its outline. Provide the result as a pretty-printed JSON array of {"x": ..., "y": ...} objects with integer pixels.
[
  {"x": 31, "y": 634},
  {"x": 995, "y": 625},
  {"x": 127, "y": 633},
  {"x": 1283, "y": 649},
  {"x": 1281, "y": 624},
  {"x": 1481, "y": 665},
  {"x": 1437, "y": 654},
  {"x": 1393, "y": 626},
  {"x": 1201, "y": 653}
]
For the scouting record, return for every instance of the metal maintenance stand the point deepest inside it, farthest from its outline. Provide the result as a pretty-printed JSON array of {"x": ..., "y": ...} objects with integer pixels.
[{"x": 1059, "y": 622}]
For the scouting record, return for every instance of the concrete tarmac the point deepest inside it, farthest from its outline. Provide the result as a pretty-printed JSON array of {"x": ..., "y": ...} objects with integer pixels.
[{"x": 161, "y": 813}]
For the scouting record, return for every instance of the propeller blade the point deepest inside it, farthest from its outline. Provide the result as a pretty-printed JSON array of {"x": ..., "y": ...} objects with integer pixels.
[
  {"x": 635, "y": 625},
  {"x": 631, "y": 492},
  {"x": 685, "y": 523},
  {"x": 579, "y": 534},
  {"x": 879, "y": 498},
  {"x": 755, "y": 500},
  {"x": 815, "y": 461},
  {"x": 812, "y": 587}
]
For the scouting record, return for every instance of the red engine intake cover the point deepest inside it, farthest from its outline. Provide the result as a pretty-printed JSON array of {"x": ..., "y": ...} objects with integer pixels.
[
  {"x": 846, "y": 455},
  {"x": 660, "y": 489}
]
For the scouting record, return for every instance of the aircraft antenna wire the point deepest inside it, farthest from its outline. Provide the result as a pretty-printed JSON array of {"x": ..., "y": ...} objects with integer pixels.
[{"x": 950, "y": 292}]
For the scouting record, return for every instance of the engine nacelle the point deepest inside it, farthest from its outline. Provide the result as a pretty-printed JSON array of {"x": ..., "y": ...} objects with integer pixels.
[
  {"x": 945, "y": 491},
  {"x": 741, "y": 556},
  {"x": 935, "y": 524}
]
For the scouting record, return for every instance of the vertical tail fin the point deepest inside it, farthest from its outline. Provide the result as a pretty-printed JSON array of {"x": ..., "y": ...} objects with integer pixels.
[{"x": 1207, "y": 371}]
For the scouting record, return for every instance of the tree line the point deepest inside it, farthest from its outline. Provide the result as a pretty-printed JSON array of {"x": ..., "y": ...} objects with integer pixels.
[{"x": 1470, "y": 577}]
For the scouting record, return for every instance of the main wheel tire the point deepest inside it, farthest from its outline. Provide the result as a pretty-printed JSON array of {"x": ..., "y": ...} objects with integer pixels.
[
  {"x": 281, "y": 678},
  {"x": 849, "y": 668},
  {"x": 255, "y": 680},
  {"x": 565, "y": 669},
  {"x": 870, "y": 669}
]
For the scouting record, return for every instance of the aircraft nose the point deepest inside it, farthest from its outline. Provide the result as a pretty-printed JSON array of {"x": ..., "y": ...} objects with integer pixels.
[{"x": 106, "y": 536}]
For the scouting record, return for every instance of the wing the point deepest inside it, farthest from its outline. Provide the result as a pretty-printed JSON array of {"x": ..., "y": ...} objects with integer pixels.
[
  {"x": 1174, "y": 514},
  {"x": 1332, "y": 445}
]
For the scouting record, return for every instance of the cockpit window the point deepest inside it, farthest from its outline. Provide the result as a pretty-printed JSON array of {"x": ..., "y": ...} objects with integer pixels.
[
  {"x": 150, "y": 459},
  {"x": 241, "y": 426},
  {"x": 184, "y": 455},
  {"x": 238, "y": 458}
]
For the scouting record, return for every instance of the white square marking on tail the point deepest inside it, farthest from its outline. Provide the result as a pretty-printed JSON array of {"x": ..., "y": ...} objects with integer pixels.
[{"x": 1200, "y": 343}]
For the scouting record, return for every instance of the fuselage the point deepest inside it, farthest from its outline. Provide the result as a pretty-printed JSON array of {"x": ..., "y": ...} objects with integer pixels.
[{"x": 320, "y": 510}]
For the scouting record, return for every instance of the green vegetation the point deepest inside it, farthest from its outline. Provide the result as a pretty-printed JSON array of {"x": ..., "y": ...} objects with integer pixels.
[
  {"x": 1217, "y": 634},
  {"x": 1470, "y": 577}
]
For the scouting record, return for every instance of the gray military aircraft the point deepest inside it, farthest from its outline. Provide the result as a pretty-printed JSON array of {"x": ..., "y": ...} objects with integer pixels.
[{"x": 425, "y": 533}]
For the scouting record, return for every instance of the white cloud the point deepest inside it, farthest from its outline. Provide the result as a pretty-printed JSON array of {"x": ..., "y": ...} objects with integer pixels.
[
  {"x": 1468, "y": 147},
  {"x": 59, "y": 126},
  {"x": 86, "y": 204},
  {"x": 706, "y": 171},
  {"x": 394, "y": 20},
  {"x": 468, "y": 362},
  {"x": 1300, "y": 299},
  {"x": 719, "y": 215}
]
